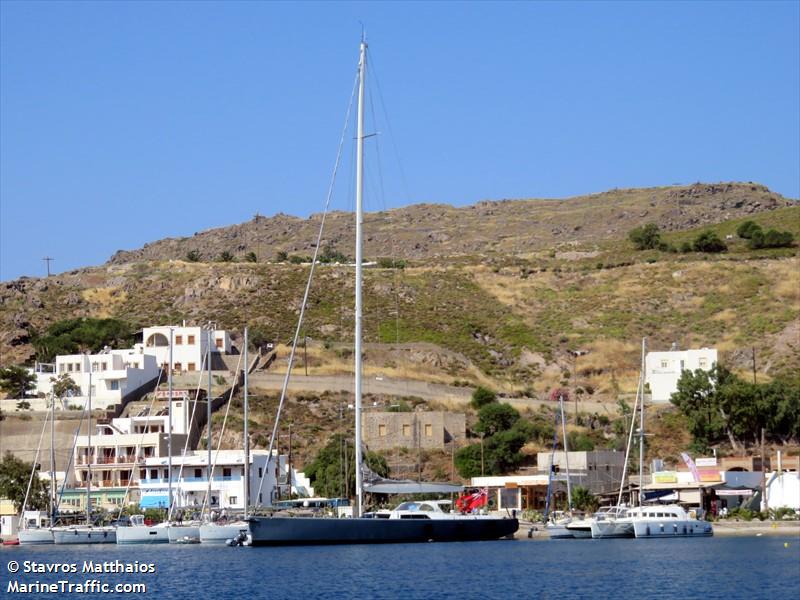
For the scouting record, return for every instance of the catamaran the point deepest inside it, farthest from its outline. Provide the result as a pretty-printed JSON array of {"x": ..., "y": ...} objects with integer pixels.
[{"x": 409, "y": 522}]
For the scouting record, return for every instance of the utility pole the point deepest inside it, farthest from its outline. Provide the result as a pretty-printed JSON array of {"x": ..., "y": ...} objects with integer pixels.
[{"x": 48, "y": 260}]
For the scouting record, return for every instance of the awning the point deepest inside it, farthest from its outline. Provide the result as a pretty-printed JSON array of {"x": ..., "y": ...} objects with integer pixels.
[
  {"x": 154, "y": 502},
  {"x": 412, "y": 487},
  {"x": 658, "y": 495},
  {"x": 734, "y": 492}
]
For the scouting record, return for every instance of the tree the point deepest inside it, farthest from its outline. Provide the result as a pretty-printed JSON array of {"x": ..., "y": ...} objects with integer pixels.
[
  {"x": 719, "y": 405},
  {"x": 17, "y": 381},
  {"x": 708, "y": 241},
  {"x": 281, "y": 256},
  {"x": 251, "y": 257},
  {"x": 747, "y": 229},
  {"x": 14, "y": 477},
  {"x": 503, "y": 449},
  {"x": 481, "y": 397},
  {"x": 495, "y": 417},
  {"x": 193, "y": 256},
  {"x": 645, "y": 238},
  {"x": 72, "y": 336},
  {"x": 327, "y": 471},
  {"x": 64, "y": 386},
  {"x": 225, "y": 256},
  {"x": 583, "y": 499},
  {"x": 468, "y": 461}
]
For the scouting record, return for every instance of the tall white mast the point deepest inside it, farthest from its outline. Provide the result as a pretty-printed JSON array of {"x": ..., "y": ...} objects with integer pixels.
[
  {"x": 566, "y": 450},
  {"x": 362, "y": 63},
  {"x": 641, "y": 422},
  {"x": 53, "y": 498},
  {"x": 209, "y": 338},
  {"x": 89, "y": 462},
  {"x": 246, "y": 436},
  {"x": 169, "y": 431}
]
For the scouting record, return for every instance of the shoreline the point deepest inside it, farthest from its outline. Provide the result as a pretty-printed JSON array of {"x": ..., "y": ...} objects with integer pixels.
[{"x": 721, "y": 528}]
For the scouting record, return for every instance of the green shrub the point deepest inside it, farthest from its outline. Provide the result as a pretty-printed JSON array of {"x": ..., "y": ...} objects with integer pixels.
[
  {"x": 747, "y": 229},
  {"x": 708, "y": 241},
  {"x": 481, "y": 397},
  {"x": 645, "y": 238}
]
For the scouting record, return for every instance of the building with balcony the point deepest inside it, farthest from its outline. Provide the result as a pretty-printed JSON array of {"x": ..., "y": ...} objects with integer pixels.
[
  {"x": 190, "y": 484},
  {"x": 663, "y": 369},
  {"x": 117, "y": 453}
]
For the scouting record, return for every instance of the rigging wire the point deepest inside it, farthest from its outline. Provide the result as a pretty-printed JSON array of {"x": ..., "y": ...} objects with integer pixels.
[
  {"x": 139, "y": 444},
  {"x": 308, "y": 286},
  {"x": 191, "y": 421},
  {"x": 222, "y": 432}
]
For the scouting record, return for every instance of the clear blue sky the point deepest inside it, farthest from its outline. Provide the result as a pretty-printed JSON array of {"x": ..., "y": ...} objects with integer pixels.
[{"x": 123, "y": 123}]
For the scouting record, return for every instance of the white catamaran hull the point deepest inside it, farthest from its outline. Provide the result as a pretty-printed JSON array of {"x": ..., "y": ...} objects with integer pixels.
[
  {"x": 652, "y": 528},
  {"x": 85, "y": 535},
  {"x": 35, "y": 536},
  {"x": 220, "y": 534},
  {"x": 612, "y": 529},
  {"x": 183, "y": 534},
  {"x": 558, "y": 531},
  {"x": 143, "y": 535}
]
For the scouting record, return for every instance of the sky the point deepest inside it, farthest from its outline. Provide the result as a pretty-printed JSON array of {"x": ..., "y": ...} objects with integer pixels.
[{"x": 125, "y": 123}]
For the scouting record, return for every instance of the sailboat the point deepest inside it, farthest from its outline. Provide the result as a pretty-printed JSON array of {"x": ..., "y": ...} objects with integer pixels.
[
  {"x": 35, "y": 525},
  {"x": 189, "y": 533},
  {"x": 223, "y": 533},
  {"x": 409, "y": 522},
  {"x": 86, "y": 534},
  {"x": 556, "y": 527},
  {"x": 139, "y": 532},
  {"x": 616, "y": 521}
]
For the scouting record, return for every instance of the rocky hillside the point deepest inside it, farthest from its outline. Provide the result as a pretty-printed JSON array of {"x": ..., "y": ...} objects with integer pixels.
[
  {"x": 506, "y": 291},
  {"x": 508, "y": 227}
]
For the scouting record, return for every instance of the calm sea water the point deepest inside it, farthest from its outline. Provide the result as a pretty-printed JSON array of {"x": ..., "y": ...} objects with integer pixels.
[{"x": 753, "y": 567}]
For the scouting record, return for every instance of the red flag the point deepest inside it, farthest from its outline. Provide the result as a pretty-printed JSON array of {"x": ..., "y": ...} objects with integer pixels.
[{"x": 469, "y": 502}]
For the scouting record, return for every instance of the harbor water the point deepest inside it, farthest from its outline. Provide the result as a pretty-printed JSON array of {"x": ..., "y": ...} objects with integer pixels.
[{"x": 733, "y": 567}]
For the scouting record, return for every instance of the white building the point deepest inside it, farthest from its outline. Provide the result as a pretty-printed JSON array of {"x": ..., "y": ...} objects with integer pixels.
[
  {"x": 114, "y": 374},
  {"x": 118, "y": 453},
  {"x": 188, "y": 348},
  {"x": 190, "y": 480},
  {"x": 663, "y": 369}
]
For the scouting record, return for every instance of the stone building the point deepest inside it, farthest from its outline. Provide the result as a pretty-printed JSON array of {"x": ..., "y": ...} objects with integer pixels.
[{"x": 429, "y": 430}]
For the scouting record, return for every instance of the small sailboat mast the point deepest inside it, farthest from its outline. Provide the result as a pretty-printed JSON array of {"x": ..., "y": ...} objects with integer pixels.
[
  {"x": 53, "y": 497},
  {"x": 89, "y": 461},
  {"x": 641, "y": 423},
  {"x": 566, "y": 449},
  {"x": 245, "y": 434},
  {"x": 358, "y": 308},
  {"x": 169, "y": 431}
]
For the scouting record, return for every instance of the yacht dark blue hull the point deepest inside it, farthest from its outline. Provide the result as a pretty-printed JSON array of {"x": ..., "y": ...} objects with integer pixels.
[{"x": 296, "y": 531}]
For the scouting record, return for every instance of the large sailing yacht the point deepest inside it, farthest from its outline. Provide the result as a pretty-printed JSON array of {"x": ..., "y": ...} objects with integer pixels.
[{"x": 409, "y": 522}]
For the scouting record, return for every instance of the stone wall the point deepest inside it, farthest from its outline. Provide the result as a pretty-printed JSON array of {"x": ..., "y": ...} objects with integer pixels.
[{"x": 430, "y": 430}]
